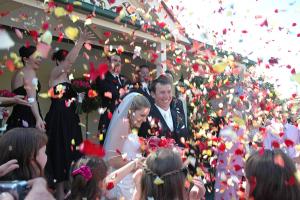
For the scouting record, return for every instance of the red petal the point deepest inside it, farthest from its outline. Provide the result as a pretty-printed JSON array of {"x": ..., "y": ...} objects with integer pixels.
[
  {"x": 195, "y": 67},
  {"x": 69, "y": 8},
  {"x": 111, "y": 1},
  {"x": 89, "y": 148},
  {"x": 110, "y": 185},
  {"x": 293, "y": 71},
  {"x": 45, "y": 26},
  {"x": 107, "y": 34},
  {"x": 109, "y": 115},
  {"x": 275, "y": 144},
  {"x": 289, "y": 143}
]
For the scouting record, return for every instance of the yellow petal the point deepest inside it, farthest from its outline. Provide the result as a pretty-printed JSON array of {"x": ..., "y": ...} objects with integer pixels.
[
  {"x": 220, "y": 67},
  {"x": 71, "y": 32},
  {"x": 44, "y": 95},
  {"x": 74, "y": 18},
  {"x": 77, "y": 3},
  {"x": 88, "y": 22},
  {"x": 60, "y": 12},
  {"x": 296, "y": 78}
]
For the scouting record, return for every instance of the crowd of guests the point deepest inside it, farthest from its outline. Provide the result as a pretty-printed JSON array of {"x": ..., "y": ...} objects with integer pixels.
[{"x": 34, "y": 148}]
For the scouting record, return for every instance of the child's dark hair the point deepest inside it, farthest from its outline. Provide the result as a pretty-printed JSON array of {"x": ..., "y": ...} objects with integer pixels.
[
  {"x": 271, "y": 175},
  {"x": 26, "y": 52},
  {"x": 22, "y": 144},
  {"x": 81, "y": 187},
  {"x": 60, "y": 55},
  {"x": 166, "y": 165}
]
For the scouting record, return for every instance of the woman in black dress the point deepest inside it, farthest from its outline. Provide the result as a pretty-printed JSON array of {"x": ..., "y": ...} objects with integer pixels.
[
  {"x": 62, "y": 122},
  {"x": 25, "y": 82}
]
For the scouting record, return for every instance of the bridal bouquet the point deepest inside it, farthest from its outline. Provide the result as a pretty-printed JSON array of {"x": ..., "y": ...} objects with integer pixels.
[{"x": 153, "y": 143}]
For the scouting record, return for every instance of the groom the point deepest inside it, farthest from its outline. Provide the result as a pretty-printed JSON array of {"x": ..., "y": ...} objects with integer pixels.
[{"x": 164, "y": 120}]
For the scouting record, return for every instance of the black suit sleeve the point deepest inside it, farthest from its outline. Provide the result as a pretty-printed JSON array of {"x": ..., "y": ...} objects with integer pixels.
[{"x": 103, "y": 86}]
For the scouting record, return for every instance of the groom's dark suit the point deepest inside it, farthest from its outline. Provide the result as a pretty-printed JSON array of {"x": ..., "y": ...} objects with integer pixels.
[{"x": 160, "y": 127}]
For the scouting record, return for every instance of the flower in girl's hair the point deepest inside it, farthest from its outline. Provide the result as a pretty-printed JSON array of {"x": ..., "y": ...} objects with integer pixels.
[{"x": 158, "y": 181}]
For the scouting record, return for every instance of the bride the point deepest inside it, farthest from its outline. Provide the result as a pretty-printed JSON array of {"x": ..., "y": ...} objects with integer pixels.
[{"x": 122, "y": 144}]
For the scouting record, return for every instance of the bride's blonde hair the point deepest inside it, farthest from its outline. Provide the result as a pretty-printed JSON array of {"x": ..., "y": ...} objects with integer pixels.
[{"x": 139, "y": 102}]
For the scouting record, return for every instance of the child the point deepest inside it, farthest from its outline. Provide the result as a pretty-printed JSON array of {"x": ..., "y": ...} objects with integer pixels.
[
  {"x": 271, "y": 175},
  {"x": 87, "y": 177},
  {"x": 27, "y": 146}
]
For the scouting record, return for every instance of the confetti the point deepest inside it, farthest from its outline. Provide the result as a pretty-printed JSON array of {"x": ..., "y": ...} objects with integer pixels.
[{"x": 71, "y": 32}]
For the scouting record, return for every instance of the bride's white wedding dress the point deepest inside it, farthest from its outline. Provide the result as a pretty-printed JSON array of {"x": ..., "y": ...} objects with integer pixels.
[
  {"x": 125, "y": 188},
  {"x": 128, "y": 143}
]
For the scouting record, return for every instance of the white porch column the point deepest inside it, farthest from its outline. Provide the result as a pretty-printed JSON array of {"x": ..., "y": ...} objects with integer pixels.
[{"x": 162, "y": 58}]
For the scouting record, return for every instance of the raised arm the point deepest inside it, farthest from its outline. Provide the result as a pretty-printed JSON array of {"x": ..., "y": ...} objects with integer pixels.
[
  {"x": 30, "y": 83},
  {"x": 66, "y": 65}
]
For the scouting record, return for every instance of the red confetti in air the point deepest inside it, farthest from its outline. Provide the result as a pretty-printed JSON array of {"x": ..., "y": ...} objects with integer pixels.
[
  {"x": 91, "y": 149},
  {"x": 109, "y": 115},
  {"x": 222, "y": 147},
  {"x": 107, "y": 34},
  {"x": 212, "y": 94},
  {"x": 3, "y": 14},
  {"x": 119, "y": 9},
  {"x": 261, "y": 151},
  {"x": 195, "y": 67},
  {"x": 244, "y": 31},
  {"x": 161, "y": 24},
  {"x": 264, "y": 23},
  {"x": 237, "y": 167},
  {"x": 293, "y": 71},
  {"x": 291, "y": 181},
  {"x": 275, "y": 144},
  {"x": 45, "y": 26},
  {"x": 34, "y": 34},
  {"x": 92, "y": 93},
  {"x": 110, "y": 185},
  {"x": 238, "y": 152},
  {"x": 10, "y": 65},
  {"x": 273, "y": 61},
  {"x": 154, "y": 57},
  {"x": 111, "y": 1},
  {"x": 178, "y": 60},
  {"x": 60, "y": 37},
  {"x": 294, "y": 24},
  {"x": 289, "y": 143},
  {"x": 69, "y": 8},
  {"x": 276, "y": 10},
  {"x": 298, "y": 35},
  {"x": 224, "y": 31}
]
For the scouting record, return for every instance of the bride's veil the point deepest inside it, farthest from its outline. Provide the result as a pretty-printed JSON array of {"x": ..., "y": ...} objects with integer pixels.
[{"x": 118, "y": 127}]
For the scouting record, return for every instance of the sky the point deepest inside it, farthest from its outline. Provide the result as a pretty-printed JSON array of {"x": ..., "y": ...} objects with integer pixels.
[{"x": 257, "y": 29}]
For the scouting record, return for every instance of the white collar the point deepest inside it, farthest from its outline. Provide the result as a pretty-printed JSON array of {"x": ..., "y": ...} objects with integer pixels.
[
  {"x": 115, "y": 75},
  {"x": 144, "y": 85},
  {"x": 162, "y": 110}
]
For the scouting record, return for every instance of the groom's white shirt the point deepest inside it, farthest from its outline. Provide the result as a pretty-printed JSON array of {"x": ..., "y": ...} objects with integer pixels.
[{"x": 167, "y": 117}]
